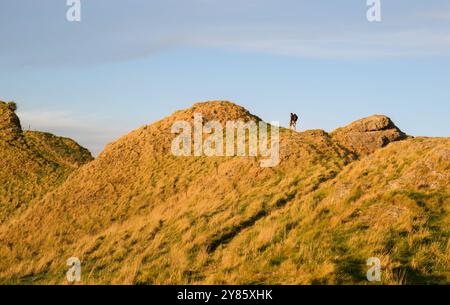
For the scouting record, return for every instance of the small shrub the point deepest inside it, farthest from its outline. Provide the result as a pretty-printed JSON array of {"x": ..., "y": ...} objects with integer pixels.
[{"x": 12, "y": 106}]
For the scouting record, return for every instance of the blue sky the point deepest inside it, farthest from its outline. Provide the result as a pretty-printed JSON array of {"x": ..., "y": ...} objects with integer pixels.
[{"x": 129, "y": 63}]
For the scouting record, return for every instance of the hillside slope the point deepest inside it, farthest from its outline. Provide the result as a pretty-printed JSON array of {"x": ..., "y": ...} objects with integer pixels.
[
  {"x": 138, "y": 214},
  {"x": 32, "y": 163}
]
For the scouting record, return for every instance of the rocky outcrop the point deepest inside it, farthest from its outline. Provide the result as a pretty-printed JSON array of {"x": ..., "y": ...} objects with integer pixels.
[
  {"x": 369, "y": 134},
  {"x": 10, "y": 127}
]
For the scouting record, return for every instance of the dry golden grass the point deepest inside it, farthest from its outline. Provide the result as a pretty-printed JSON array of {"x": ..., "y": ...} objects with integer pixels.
[
  {"x": 31, "y": 162},
  {"x": 138, "y": 215}
]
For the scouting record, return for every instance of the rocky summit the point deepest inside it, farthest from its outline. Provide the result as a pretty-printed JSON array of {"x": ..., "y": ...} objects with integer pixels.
[
  {"x": 10, "y": 127},
  {"x": 369, "y": 134}
]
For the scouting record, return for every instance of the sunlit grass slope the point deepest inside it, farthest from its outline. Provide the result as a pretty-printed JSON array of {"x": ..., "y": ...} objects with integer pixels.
[{"x": 139, "y": 215}]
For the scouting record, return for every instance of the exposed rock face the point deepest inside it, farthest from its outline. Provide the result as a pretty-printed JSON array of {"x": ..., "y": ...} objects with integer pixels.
[
  {"x": 10, "y": 127},
  {"x": 369, "y": 134}
]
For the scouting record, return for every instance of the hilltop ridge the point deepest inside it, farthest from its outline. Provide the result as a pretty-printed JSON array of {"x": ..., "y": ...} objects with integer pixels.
[
  {"x": 220, "y": 111},
  {"x": 139, "y": 215}
]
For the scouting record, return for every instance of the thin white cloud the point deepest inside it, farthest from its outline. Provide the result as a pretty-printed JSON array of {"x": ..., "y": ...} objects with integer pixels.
[
  {"x": 441, "y": 15},
  {"x": 91, "y": 132},
  {"x": 113, "y": 32},
  {"x": 333, "y": 44}
]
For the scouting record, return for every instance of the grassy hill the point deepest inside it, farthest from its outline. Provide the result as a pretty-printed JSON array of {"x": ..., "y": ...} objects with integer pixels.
[
  {"x": 139, "y": 215},
  {"x": 31, "y": 163}
]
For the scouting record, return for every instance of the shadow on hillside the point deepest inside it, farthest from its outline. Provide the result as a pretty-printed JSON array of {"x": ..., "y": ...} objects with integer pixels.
[
  {"x": 229, "y": 233},
  {"x": 411, "y": 276}
]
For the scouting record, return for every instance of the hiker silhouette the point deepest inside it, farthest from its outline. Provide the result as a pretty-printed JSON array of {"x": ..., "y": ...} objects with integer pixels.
[{"x": 293, "y": 122}]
